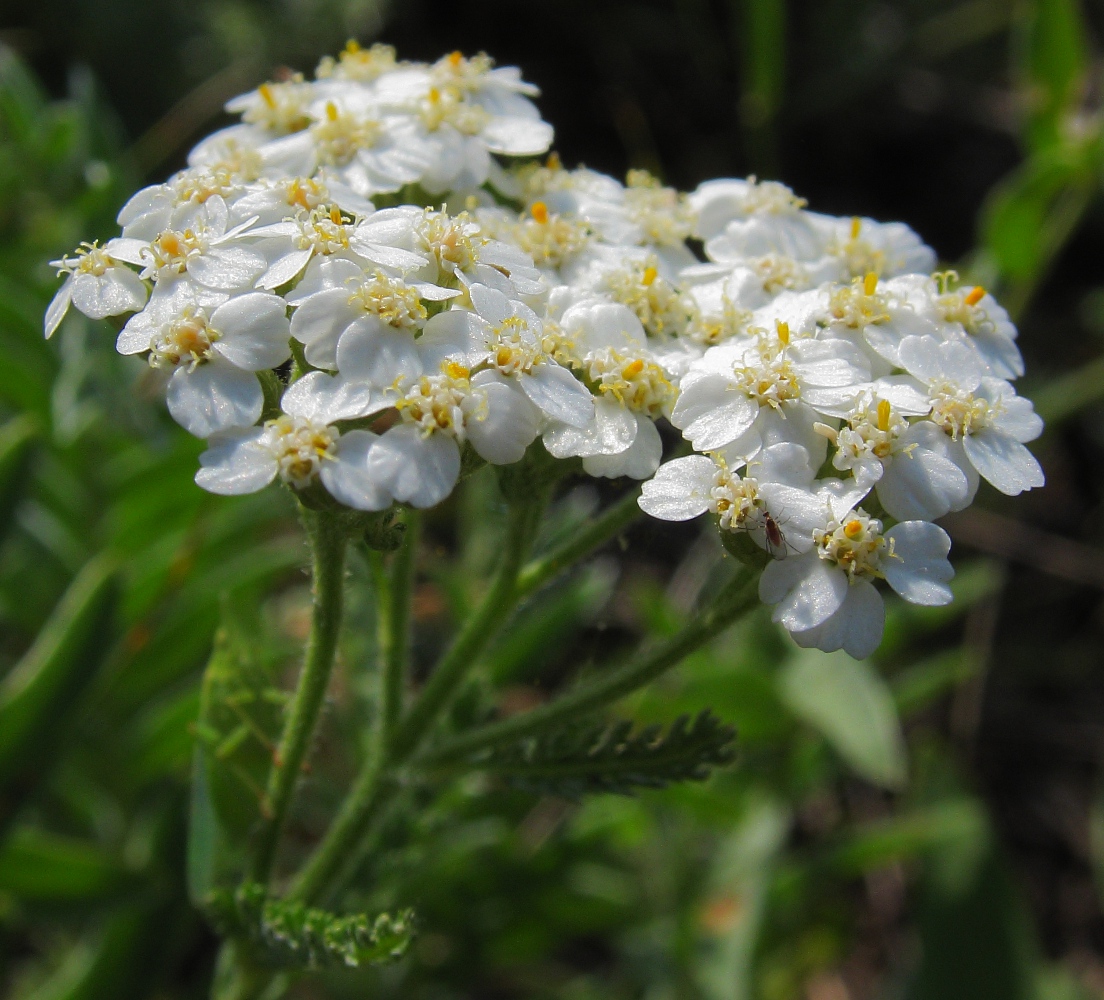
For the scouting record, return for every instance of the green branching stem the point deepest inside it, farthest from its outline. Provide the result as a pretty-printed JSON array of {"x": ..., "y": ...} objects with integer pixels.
[
  {"x": 393, "y": 590},
  {"x": 729, "y": 605},
  {"x": 328, "y": 544},
  {"x": 376, "y": 784},
  {"x": 609, "y": 524}
]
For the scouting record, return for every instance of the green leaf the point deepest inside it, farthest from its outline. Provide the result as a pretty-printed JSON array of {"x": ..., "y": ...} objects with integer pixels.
[
  {"x": 287, "y": 934},
  {"x": 52, "y": 674},
  {"x": 851, "y": 707},
  {"x": 1053, "y": 61},
  {"x": 17, "y": 439},
  {"x": 44, "y": 867},
  {"x": 609, "y": 757}
]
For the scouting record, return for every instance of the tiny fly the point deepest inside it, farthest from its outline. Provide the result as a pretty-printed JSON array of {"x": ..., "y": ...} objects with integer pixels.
[{"x": 776, "y": 541}]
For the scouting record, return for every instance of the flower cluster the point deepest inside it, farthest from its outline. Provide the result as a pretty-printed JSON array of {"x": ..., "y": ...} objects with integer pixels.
[{"x": 372, "y": 278}]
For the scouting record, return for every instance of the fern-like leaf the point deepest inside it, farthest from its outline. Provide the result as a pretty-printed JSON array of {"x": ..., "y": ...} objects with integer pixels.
[
  {"x": 610, "y": 757},
  {"x": 291, "y": 935}
]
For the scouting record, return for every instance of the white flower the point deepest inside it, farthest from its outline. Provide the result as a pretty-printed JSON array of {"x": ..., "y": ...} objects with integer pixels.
[
  {"x": 863, "y": 246},
  {"x": 210, "y": 251},
  {"x": 274, "y": 200},
  {"x": 972, "y": 315},
  {"x": 507, "y": 336},
  {"x": 825, "y": 597},
  {"x": 981, "y": 415},
  {"x": 213, "y": 345},
  {"x": 722, "y": 395},
  {"x": 96, "y": 284},
  {"x": 300, "y": 446},
  {"x": 378, "y": 302}
]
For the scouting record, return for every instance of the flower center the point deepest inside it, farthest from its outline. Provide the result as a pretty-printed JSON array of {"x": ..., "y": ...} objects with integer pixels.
[
  {"x": 859, "y": 304},
  {"x": 222, "y": 178},
  {"x": 340, "y": 135},
  {"x": 859, "y": 256},
  {"x": 640, "y": 385},
  {"x": 186, "y": 340},
  {"x": 300, "y": 446},
  {"x": 461, "y": 74},
  {"x": 550, "y": 239},
  {"x": 962, "y": 308},
  {"x": 391, "y": 299},
  {"x": 778, "y": 272},
  {"x": 855, "y": 544},
  {"x": 769, "y": 198},
  {"x": 452, "y": 241},
  {"x": 446, "y": 106},
  {"x": 514, "y": 347},
  {"x": 734, "y": 500},
  {"x": 305, "y": 193},
  {"x": 660, "y": 211},
  {"x": 282, "y": 106},
  {"x": 90, "y": 259},
  {"x": 959, "y": 412},
  {"x": 659, "y": 306},
  {"x": 433, "y": 403},
  {"x": 772, "y": 380},
  {"x": 872, "y": 429},
  {"x": 172, "y": 249},
  {"x": 323, "y": 230},
  {"x": 356, "y": 63}
]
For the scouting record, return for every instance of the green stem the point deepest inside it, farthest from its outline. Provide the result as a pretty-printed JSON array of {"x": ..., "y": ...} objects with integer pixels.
[
  {"x": 376, "y": 784},
  {"x": 736, "y": 598},
  {"x": 394, "y": 627},
  {"x": 328, "y": 543},
  {"x": 610, "y": 523}
]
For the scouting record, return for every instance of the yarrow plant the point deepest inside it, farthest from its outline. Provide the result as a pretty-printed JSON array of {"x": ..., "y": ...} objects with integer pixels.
[{"x": 371, "y": 286}]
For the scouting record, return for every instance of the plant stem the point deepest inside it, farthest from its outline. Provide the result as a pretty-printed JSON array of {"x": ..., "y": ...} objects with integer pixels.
[
  {"x": 736, "y": 598},
  {"x": 328, "y": 543},
  {"x": 376, "y": 784},
  {"x": 393, "y": 593},
  {"x": 610, "y": 523}
]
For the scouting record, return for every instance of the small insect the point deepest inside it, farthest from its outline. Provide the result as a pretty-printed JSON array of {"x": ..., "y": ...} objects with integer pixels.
[{"x": 776, "y": 541}]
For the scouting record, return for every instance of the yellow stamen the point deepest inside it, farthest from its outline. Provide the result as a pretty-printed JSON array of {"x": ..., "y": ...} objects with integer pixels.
[
  {"x": 975, "y": 296},
  {"x": 553, "y": 162},
  {"x": 783, "y": 332},
  {"x": 539, "y": 211},
  {"x": 870, "y": 282},
  {"x": 352, "y": 46},
  {"x": 852, "y": 529},
  {"x": 856, "y": 226},
  {"x": 455, "y": 370},
  {"x": 335, "y": 215},
  {"x": 883, "y": 414},
  {"x": 265, "y": 90},
  {"x": 633, "y": 368},
  {"x": 455, "y": 58},
  {"x": 650, "y": 275},
  {"x": 331, "y": 111}
]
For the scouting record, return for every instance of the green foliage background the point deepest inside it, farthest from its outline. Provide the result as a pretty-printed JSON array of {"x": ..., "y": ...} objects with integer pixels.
[{"x": 927, "y": 825}]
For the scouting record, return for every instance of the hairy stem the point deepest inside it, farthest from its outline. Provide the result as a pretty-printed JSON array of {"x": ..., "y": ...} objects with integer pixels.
[
  {"x": 394, "y": 593},
  {"x": 376, "y": 784},
  {"x": 610, "y": 523},
  {"x": 328, "y": 543},
  {"x": 733, "y": 601}
]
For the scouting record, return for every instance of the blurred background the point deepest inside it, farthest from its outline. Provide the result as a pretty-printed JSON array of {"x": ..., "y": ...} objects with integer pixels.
[{"x": 928, "y": 825}]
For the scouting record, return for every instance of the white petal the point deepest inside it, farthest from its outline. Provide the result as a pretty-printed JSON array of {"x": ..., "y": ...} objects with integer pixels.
[
  {"x": 227, "y": 268},
  {"x": 1003, "y": 461},
  {"x": 348, "y": 479},
  {"x": 918, "y": 569},
  {"x": 255, "y": 331},
  {"x": 318, "y": 323},
  {"x": 236, "y": 462},
  {"x": 558, "y": 394},
  {"x": 500, "y": 421},
  {"x": 638, "y": 461},
  {"x": 492, "y": 305},
  {"x": 610, "y": 431},
  {"x": 711, "y": 414},
  {"x": 214, "y": 397},
  {"x": 517, "y": 136},
  {"x": 856, "y": 627},
  {"x": 285, "y": 269},
  {"x": 414, "y": 469},
  {"x": 59, "y": 306},
  {"x": 119, "y": 290},
  {"x": 456, "y": 335},
  {"x": 806, "y": 590},
  {"x": 393, "y": 257},
  {"x": 326, "y": 398},
  {"x": 680, "y": 489},
  {"x": 377, "y": 353}
]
